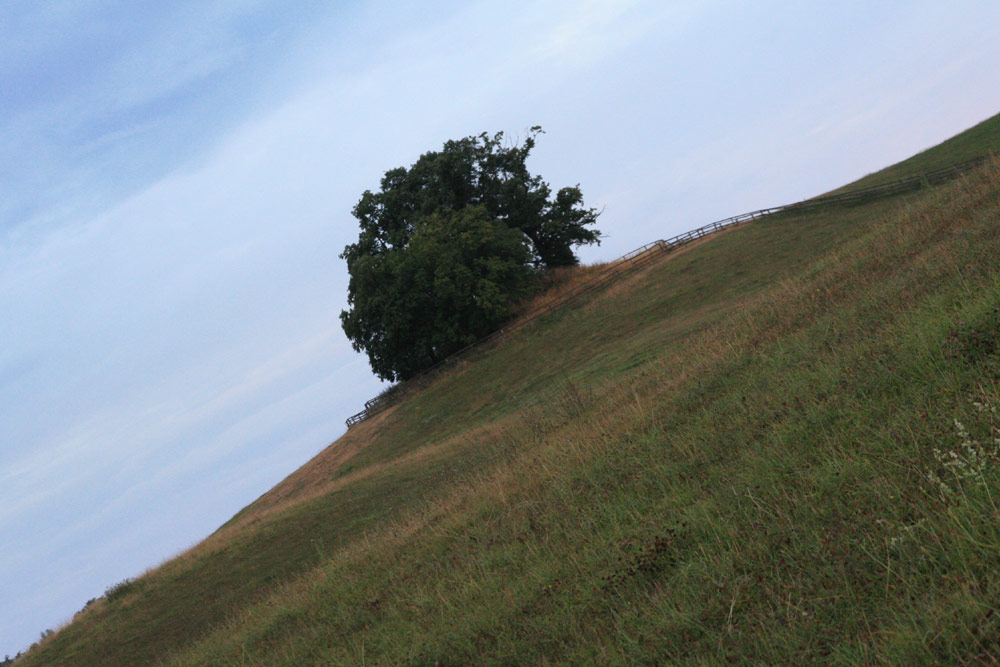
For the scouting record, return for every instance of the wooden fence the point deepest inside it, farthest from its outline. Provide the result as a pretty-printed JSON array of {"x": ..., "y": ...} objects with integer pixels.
[{"x": 646, "y": 254}]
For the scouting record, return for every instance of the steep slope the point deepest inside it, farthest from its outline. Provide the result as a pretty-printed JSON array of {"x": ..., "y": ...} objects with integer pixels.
[{"x": 725, "y": 457}]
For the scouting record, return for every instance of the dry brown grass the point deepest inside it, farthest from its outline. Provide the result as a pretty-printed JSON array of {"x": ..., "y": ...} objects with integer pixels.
[
  {"x": 320, "y": 481},
  {"x": 562, "y": 281},
  {"x": 557, "y": 283}
]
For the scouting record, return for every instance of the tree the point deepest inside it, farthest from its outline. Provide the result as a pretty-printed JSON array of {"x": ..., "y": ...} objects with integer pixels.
[
  {"x": 459, "y": 275},
  {"x": 448, "y": 247}
]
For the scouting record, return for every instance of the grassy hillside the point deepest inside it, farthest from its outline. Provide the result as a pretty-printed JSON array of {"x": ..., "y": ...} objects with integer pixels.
[
  {"x": 978, "y": 140},
  {"x": 778, "y": 444}
]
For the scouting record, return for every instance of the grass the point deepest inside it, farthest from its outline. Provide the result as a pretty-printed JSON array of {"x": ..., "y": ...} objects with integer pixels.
[{"x": 737, "y": 454}]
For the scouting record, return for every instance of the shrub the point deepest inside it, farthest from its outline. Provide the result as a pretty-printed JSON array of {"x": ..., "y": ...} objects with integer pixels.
[{"x": 118, "y": 590}]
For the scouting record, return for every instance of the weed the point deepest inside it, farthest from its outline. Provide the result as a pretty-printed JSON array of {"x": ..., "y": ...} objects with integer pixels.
[
  {"x": 119, "y": 590},
  {"x": 641, "y": 557},
  {"x": 970, "y": 459}
]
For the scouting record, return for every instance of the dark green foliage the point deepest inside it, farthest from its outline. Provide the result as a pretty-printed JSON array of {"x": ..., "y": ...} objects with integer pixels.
[
  {"x": 449, "y": 245},
  {"x": 458, "y": 277}
]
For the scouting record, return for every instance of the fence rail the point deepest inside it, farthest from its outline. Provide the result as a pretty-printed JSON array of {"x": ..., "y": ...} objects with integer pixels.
[{"x": 642, "y": 256}]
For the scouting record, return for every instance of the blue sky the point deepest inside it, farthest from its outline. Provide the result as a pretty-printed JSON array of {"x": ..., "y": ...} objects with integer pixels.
[{"x": 176, "y": 181}]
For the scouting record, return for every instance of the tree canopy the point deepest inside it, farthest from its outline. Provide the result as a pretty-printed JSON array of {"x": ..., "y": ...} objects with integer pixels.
[{"x": 449, "y": 246}]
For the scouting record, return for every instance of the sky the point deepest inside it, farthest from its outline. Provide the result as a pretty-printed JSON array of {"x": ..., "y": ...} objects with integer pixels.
[{"x": 176, "y": 182}]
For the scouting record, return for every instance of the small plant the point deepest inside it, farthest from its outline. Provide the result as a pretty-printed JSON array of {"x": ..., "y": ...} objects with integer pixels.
[
  {"x": 118, "y": 590},
  {"x": 85, "y": 607},
  {"x": 642, "y": 557},
  {"x": 971, "y": 459}
]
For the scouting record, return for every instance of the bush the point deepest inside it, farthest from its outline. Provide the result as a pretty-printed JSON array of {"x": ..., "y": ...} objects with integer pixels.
[{"x": 118, "y": 590}]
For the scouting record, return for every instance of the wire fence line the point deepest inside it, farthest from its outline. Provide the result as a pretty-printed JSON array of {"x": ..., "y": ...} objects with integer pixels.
[{"x": 646, "y": 254}]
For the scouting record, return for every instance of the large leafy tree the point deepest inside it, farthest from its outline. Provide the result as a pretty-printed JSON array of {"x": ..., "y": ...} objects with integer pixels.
[{"x": 448, "y": 246}]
